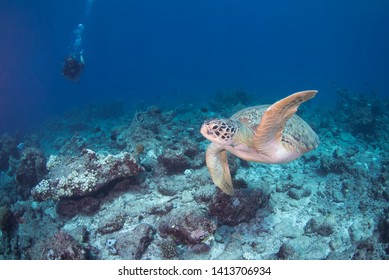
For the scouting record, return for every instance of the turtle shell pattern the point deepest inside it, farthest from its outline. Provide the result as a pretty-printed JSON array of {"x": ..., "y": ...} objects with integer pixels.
[{"x": 297, "y": 135}]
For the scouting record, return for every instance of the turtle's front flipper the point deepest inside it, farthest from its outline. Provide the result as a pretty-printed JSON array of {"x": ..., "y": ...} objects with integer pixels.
[
  {"x": 268, "y": 134},
  {"x": 216, "y": 159}
]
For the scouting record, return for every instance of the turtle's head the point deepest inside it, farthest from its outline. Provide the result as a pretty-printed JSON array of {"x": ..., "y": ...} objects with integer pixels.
[{"x": 220, "y": 131}]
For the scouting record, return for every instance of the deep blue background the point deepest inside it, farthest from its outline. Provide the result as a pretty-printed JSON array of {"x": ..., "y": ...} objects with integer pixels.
[{"x": 184, "y": 51}]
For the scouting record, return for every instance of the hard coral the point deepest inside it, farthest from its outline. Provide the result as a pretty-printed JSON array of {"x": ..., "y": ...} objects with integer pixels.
[
  {"x": 75, "y": 177},
  {"x": 169, "y": 249}
]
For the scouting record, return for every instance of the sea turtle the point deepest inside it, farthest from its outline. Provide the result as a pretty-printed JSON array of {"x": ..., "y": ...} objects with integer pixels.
[{"x": 264, "y": 133}]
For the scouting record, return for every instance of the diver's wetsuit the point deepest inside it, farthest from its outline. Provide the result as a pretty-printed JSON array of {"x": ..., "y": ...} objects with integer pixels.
[{"x": 71, "y": 67}]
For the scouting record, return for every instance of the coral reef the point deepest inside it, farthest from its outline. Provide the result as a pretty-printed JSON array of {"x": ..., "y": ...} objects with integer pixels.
[
  {"x": 80, "y": 176},
  {"x": 63, "y": 246},
  {"x": 106, "y": 183},
  {"x": 383, "y": 227},
  {"x": 7, "y": 219},
  {"x": 319, "y": 226},
  {"x": 169, "y": 249},
  {"x": 134, "y": 247},
  {"x": 362, "y": 115},
  {"x": 237, "y": 209},
  {"x": 189, "y": 227},
  {"x": 84, "y": 206},
  {"x": 174, "y": 163},
  {"x": 115, "y": 224},
  {"x": 223, "y": 99},
  {"x": 31, "y": 170},
  {"x": 8, "y": 150}
]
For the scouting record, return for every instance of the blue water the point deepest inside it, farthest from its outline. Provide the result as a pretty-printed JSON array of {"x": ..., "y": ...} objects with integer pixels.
[{"x": 170, "y": 52}]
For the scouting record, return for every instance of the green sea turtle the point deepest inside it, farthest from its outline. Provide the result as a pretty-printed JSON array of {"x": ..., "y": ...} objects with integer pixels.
[{"x": 265, "y": 133}]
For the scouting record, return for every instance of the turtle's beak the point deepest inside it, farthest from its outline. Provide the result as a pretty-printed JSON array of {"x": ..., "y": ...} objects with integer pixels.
[{"x": 204, "y": 129}]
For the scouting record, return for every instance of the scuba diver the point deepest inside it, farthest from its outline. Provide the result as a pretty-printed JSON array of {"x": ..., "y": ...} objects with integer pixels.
[{"x": 72, "y": 66}]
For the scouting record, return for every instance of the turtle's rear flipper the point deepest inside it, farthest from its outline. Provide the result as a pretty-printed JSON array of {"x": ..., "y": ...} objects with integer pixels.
[
  {"x": 268, "y": 134},
  {"x": 216, "y": 159}
]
